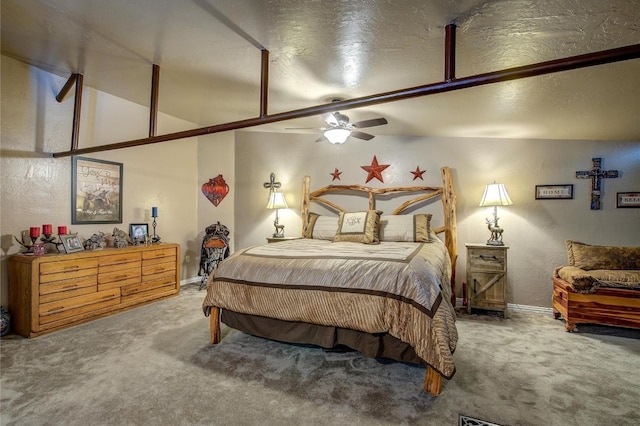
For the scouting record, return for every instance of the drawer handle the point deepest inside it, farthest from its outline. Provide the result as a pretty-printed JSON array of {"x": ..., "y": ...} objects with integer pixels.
[
  {"x": 58, "y": 308},
  {"x": 71, "y": 268},
  {"x": 485, "y": 257},
  {"x": 70, "y": 286}
]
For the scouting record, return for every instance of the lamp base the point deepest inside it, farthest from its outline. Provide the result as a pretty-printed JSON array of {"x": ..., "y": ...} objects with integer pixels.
[{"x": 494, "y": 243}]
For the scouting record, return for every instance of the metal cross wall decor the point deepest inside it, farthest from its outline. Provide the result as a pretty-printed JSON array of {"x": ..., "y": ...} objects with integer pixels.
[{"x": 596, "y": 173}]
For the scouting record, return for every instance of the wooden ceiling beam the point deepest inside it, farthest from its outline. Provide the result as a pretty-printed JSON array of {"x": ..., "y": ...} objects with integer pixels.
[{"x": 537, "y": 69}]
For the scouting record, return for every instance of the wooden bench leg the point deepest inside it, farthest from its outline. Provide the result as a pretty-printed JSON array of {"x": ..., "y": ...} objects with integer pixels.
[
  {"x": 432, "y": 382},
  {"x": 214, "y": 325}
]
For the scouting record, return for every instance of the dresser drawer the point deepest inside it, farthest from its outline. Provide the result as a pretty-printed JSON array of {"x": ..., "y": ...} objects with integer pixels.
[
  {"x": 119, "y": 278},
  {"x": 64, "y": 289},
  {"x": 152, "y": 268},
  {"x": 160, "y": 252},
  {"x": 118, "y": 259},
  {"x": 68, "y": 266},
  {"x": 72, "y": 306}
]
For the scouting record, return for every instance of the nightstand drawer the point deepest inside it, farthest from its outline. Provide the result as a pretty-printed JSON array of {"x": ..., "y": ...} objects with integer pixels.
[{"x": 487, "y": 259}]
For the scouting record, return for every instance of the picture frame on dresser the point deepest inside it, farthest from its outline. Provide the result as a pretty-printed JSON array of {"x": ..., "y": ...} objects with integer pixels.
[
  {"x": 71, "y": 243},
  {"x": 138, "y": 231},
  {"x": 96, "y": 191}
]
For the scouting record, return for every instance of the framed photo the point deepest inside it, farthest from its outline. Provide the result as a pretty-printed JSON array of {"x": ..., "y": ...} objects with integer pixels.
[
  {"x": 71, "y": 243},
  {"x": 137, "y": 231},
  {"x": 627, "y": 199},
  {"x": 554, "y": 192},
  {"x": 96, "y": 191}
]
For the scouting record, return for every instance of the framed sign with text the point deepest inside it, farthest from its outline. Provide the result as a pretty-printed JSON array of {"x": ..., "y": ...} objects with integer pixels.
[
  {"x": 627, "y": 199},
  {"x": 554, "y": 192}
]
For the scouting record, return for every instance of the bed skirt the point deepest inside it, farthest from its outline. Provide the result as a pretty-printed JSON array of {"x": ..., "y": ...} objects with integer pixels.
[{"x": 378, "y": 345}]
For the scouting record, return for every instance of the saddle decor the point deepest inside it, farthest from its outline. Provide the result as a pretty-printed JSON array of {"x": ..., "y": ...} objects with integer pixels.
[{"x": 215, "y": 190}]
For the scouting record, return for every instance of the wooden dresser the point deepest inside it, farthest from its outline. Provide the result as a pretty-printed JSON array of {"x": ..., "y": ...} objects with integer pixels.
[{"x": 55, "y": 291}]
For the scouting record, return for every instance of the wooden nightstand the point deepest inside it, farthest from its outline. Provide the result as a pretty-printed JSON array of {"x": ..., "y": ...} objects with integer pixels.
[
  {"x": 277, "y": 240},
  {"x": 487, "y": 277}
]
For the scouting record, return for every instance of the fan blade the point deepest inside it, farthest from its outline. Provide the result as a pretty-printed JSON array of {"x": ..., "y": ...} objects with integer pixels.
[
  {"x": 330, "y": 119},
  {"x": 360, "y": 135},
  {"x": 370, "y": 123},
  {"x": 322, "y": 139}
]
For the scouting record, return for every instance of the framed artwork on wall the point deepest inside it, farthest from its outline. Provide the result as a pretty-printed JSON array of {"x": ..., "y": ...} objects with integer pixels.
[
  {"x": 554, "y": 192},
  {"x": 628, "y": 200},
  {"x": 96, "y": 191}
]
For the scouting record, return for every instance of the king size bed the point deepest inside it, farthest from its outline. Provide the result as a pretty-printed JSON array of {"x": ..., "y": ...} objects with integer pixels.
[{"x": 381, "y": 284}]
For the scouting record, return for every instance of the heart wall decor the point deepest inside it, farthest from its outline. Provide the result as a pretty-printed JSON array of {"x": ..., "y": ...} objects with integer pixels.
[{"x": 215, "y": 190}]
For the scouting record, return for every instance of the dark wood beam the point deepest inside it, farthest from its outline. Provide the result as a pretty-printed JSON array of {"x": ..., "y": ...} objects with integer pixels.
[
  {"x": 153, "y": 113},
  {"x": 541, "y": 68},
  {"x": 449, "y": 52},
  {"x": 77, "y": 108},
  {"x": 264, "y": 83},
  {"x": 67, "y": 86}
]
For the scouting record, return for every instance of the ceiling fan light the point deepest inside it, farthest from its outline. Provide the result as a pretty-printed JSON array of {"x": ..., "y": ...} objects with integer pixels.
[{"x": 337, "y": 136}]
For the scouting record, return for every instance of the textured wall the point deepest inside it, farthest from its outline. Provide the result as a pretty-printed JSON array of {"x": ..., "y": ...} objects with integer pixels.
[
  {"x": 535, "y": 230},
  {"x": 36, "y": 188}
]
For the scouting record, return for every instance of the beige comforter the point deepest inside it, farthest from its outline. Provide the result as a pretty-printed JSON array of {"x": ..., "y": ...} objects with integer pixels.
[{"x": 394, "y": 287}]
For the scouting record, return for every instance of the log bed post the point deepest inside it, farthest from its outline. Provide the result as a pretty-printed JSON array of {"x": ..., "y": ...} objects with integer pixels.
[
  {"x": 214, "y": 325},
  {"x": 451, "y": 230},
  {"x": 432, "y": 382}
]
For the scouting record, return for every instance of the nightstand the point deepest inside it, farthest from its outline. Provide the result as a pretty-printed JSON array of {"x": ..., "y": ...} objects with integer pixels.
[
  {"x": 487, "y": 277},
  {"x": 277, "y": 240}
]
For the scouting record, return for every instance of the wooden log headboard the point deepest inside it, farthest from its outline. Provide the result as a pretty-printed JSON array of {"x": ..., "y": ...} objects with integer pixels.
[{"x": 446, "y": 193}]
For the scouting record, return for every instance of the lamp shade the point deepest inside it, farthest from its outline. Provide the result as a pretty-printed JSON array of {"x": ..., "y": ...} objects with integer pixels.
[
  {"x": 277, "y": 201},
  {"x": 495, "y": 194},
  {"x": 337, "y": 136}
]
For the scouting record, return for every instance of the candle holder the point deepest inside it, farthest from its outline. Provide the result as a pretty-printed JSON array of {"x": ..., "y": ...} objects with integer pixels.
[
  {"x": 155, "y": 238},
  {"x": 27, "y": 248}
]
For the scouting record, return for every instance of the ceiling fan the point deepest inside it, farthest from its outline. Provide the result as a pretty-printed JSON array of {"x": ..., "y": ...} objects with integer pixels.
[{"x": 340, "y": 129}]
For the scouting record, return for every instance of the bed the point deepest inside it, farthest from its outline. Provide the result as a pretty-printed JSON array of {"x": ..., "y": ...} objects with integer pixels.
[{"x": 382, "y": 284}]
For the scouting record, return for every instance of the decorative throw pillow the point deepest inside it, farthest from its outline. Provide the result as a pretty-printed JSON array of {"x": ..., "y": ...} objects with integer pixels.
[
  {"x": 321, "y": 227},
  {"x": 588, "y": 257},
  {"x": 415, "y": 227},
  {"x": 359, "y": 227}
]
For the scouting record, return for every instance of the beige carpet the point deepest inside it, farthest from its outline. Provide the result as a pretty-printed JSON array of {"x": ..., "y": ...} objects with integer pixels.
[{"x": 153, "y": 365}]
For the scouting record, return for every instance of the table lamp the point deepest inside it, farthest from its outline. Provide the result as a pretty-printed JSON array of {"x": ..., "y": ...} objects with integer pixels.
[{"x": 495, "y": 194}]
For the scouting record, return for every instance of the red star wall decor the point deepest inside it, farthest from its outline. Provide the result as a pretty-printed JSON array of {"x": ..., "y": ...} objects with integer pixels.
[
  {"x": 336, "y": 174},
  {"x": 375, "y": 170},
  {"x": 418, "y": 173}
]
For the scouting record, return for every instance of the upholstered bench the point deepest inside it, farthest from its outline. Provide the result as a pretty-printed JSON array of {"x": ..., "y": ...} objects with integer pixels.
[{"x": 601, "y": 284}]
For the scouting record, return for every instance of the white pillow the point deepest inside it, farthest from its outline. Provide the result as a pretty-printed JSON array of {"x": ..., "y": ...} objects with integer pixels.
[
  {"x": 321, "y": 227},
  {"x": 415, "y": 227}
]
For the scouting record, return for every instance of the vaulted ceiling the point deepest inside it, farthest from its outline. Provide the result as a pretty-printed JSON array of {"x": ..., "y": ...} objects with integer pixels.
[{"x": 209, "y": 54}]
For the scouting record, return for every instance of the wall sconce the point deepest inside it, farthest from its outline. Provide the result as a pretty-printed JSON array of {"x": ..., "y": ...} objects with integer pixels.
[
  {"x": 276, "y": 201},
  {"x": 495, "y": 195}
]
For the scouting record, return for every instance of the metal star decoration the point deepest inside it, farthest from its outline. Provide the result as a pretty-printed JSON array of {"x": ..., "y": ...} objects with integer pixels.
[
  {"x": 375, "y": 170},
  {"x": 418, "y": 173},
  {"x": 336, "y": 174}
]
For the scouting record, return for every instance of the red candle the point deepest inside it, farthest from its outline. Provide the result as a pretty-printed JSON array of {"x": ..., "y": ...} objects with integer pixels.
[
  {"x": 47, "y": 229},
  {"x": 34, "y": 231},
  {"x": 62, "y": 230}
]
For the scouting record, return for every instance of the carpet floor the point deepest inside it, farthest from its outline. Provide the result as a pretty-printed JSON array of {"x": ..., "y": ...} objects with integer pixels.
[{"x": 154, "y": 365}]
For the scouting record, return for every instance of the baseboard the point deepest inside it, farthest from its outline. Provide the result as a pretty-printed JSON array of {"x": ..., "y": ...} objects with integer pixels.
[
  {"x": 520, "y": 308},
  {"x": 191, "y": 280}
]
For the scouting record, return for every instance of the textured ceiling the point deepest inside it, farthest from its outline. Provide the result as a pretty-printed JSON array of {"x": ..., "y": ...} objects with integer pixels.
[{"x": 209, "y": 57}]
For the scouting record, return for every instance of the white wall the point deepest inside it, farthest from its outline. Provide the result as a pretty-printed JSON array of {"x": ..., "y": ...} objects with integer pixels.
[
  {"x": 36, "y": 188},
  {"x": 535, "y": 230}
]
